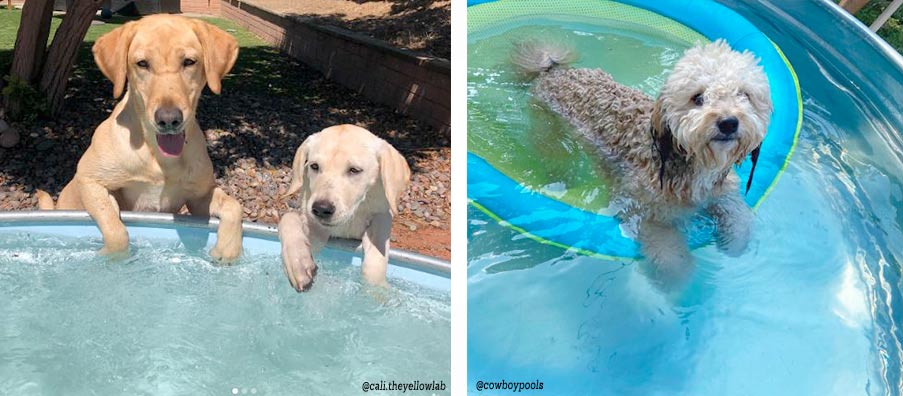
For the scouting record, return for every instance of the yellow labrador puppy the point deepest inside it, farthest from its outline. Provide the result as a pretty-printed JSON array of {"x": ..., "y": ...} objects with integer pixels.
[
  {"x": 350, "y": 181},
  {"x": 150, "y": 154}
]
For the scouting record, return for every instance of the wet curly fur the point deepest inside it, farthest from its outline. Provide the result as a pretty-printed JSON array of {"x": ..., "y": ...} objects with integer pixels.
[{"x": 673, "y": 155}]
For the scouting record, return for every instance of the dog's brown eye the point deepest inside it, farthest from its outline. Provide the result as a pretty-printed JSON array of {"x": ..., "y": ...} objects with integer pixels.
[
  {"x": 746, "y": 95},
  {"x": 314, "y": 167},
  {"x": 188, "y": 62},
  {"x": 697, "y": 99},
  {"x": 143, "y": 64},
  {"x": 354, "y": 170}
]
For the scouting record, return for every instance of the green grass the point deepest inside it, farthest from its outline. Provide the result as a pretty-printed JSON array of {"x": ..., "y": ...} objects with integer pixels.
[
  {"x": 9, "y": 26},
  {"x": 892, "y": 31},
  {"x": 244, "y": 37}
]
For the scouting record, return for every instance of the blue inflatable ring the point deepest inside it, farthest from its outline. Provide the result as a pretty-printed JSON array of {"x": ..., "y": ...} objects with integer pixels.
[{"x": 552, "y": 222}]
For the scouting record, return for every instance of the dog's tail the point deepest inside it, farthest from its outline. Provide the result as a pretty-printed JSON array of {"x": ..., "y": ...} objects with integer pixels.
[
  {"x": 533, "y": 57},
  {"x": 45, "y": 201}
]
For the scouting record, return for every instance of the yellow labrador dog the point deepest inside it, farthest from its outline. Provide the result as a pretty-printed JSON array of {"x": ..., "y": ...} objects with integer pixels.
[
  {"x": 150, "y": 154},
  {"x": 350, "y": 181}
]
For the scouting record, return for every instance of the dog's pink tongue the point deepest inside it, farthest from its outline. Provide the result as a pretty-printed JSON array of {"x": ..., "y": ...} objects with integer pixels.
[{"x": 171, "y": 144}]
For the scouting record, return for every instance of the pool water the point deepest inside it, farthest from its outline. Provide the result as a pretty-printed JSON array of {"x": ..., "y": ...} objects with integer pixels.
[
  {"x": 813, "y": 308},
  {"x": 167, "y": 321}
]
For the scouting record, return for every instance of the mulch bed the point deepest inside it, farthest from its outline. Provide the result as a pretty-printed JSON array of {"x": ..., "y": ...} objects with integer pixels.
[
  {"x": 269, "y": 105},
  {"x": 419, "y": 25}
]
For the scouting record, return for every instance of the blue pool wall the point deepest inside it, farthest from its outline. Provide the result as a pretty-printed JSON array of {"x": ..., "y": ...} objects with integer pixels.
[{"x": 201, "y": 240}]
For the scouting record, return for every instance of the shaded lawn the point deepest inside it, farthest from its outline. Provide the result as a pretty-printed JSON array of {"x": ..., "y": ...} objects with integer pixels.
[{"x": 9, "y": 27}]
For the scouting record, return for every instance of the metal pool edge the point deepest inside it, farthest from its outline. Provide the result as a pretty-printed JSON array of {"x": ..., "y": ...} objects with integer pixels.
[
  {"x": 399, "y": 257},
  {"x": 858, "y": 28}
]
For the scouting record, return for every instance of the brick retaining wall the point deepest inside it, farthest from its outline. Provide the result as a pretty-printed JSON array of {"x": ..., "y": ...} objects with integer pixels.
[{"x": 415, "y": 84}]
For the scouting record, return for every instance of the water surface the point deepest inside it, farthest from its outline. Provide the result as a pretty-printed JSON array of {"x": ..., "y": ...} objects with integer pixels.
[
  {"x": 167, "y": 321},
  {"x": 812, "y": 309}
]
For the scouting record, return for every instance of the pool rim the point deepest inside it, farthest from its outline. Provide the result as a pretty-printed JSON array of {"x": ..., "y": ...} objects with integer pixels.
[{"x": 399, "y": 257}]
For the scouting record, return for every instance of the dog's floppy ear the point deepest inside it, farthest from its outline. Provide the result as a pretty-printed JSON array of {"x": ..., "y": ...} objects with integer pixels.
[
  {"x": 754, "y": 156},
  {"x": 394, "y": 174},
  {"x": 111, "y": 53},
  {"x": 298, "y": 167},
  {"x": 220, "y": 53},
  {"x": 658, "y": 116},
  {"x": 662, "y": 140}
]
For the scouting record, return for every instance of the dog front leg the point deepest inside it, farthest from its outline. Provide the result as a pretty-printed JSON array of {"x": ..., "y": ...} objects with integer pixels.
[
  {"x": 376, "y": 249},
  {"x": 299, "y": 245},
  {"x": 733, "y": 222},
  {"x": 228, "y": 236},
  {"x": 666, "y": 251},
  {"x": 105, "y": 211}
]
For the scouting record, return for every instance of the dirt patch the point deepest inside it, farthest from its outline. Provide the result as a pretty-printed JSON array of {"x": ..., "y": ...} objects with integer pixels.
[
  {"x": 414, "y": 235},
  {"x": 341, "y": 9},
  {"x": 269, "y": 105},
  {"x": 419, "y": 25}
]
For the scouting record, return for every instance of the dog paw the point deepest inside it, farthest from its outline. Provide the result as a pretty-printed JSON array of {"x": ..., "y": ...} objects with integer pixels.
[
  {"x": 224, "y": 255},
  {"x": 673, "y": 263},
  {"x": 668, "y": 273},
  {"x": 374, "y": 275},
  {"x": 302, "y": 279},
  {"x": 733, "y": 245},
  {"x": 114, "y": 253},
  {"x": 733, "y": 240},
  {"x": 115, "y": 246},
  {"x": 377, "y": 281},
  {"x": 734, "y": 230}
]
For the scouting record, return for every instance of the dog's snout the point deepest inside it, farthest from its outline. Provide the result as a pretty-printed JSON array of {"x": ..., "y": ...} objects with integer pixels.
[
  {"x": 728, "y": 126},
  {"x": 168, "y": 118},
  {"x": 323, "y": 209}
]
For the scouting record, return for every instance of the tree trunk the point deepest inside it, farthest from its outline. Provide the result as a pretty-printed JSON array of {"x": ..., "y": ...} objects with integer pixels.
[
  {"x": 63, "y": 51},
  {"x": 31, "y": 42}
]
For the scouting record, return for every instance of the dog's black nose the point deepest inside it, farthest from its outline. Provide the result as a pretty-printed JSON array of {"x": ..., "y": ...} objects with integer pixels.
[
  {"x": 168, "y": 117},
  {"x": 728, "y": 126},
  {"x": 323, "y": 209}
]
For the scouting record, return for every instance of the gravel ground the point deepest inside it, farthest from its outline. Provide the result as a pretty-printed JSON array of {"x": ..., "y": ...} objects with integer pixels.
[{"x": 270, "y": 103}]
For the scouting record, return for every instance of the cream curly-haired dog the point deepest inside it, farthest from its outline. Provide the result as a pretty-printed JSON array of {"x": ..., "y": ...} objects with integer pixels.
[{"x": 673, "y": 155}]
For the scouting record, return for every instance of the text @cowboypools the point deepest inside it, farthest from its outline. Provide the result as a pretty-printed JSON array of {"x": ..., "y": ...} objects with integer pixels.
[
  {"x": 403, "y": 387},
  {"x": 509, "y": 386}
]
